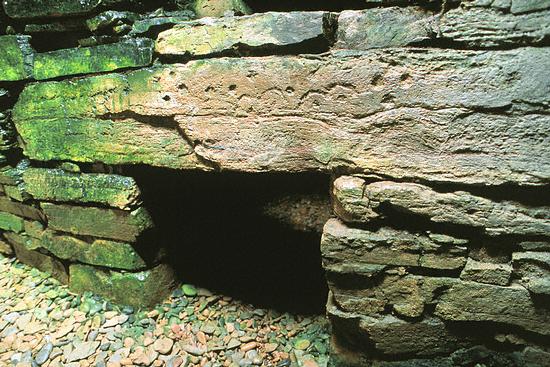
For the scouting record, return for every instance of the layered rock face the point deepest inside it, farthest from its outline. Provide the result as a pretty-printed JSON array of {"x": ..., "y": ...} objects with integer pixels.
[{"x": 431, "y": 116}]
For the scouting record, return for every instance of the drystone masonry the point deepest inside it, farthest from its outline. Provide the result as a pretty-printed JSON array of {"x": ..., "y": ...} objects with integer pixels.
[{"x": 431, "y": 116}]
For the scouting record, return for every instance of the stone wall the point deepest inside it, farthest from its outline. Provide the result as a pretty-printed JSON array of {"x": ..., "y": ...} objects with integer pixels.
[{"x": 432, "y": 117}]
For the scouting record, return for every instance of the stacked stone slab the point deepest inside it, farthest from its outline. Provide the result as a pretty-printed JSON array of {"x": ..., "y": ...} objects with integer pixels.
[{"x": 434, "y": 124}]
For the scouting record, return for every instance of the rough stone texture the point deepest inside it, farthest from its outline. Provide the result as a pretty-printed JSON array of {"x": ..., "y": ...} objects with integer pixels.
[
  {"x": 16, "y": 58},
  {"x": 343, "y": 246},
  {"x": 471, "y": 301},
  {"x": 481, "y": 272},
  {"x": 129, "y": 53},
  {"x": 107, "y": 223},
  {"x": 406, "y": 114},
  {"x": 218, "y": 8},
  {"x": 513, "y": 6},
  {"x": 534, "y": 270},
  {"x": 59, "y": 185},
  {"x": 19, "y": 209},
  {"x": 490, "y": 27},
  {"x": 459, "y": 207},
  {"x": 307, "y": 213},
  {"x": 7, "y": 131},
  {"x": 42, "y": 262},
  {"x": 143, "y": 289},
  {"x": 384, "y": 27},
  {"x": 5, "y": 248},
  {"x": 10, "y": 222},
  {"x": 48, "y": 8},
  {"x": 266, "y": 30}
]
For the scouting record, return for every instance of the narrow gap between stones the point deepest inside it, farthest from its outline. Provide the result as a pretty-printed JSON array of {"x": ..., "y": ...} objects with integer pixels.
[{"x": 254, "y": 237}]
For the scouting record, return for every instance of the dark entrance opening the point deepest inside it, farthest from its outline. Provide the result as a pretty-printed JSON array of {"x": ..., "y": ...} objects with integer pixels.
[{"x": 254, "y": 237}]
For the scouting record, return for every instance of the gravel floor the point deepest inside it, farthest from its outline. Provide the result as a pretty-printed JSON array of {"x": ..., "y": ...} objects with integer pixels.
[{"x": 43, "y": 324}]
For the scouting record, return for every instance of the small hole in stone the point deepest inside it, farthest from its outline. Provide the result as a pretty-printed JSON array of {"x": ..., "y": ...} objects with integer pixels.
[
  {"x": 289, "y": 90},
  {"x": 166, "y": 97},
  {"x": 232, "y": 87}
]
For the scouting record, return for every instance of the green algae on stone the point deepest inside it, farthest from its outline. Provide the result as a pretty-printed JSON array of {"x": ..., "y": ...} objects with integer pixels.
[
  {"x": 17, "y": 192},
  {"x": 30, "y": 243},
  {"x": 73, "y": 61},
  {"x": 16, "y": 58},
  {"x": 10, "y": 222},
  {"x": 58, "y": 185},
  {"x": 266, "y": 30},
  {"x": 110, "y": 18},
  {"x": 34, "y": 229},
  {"x": 48, "y": 8},
  {"x": 106, "y": 253},
  {"x": 45, "y": 263},
  {"x": 141, "y": 289},
  {"x": 89, "y": 221}
]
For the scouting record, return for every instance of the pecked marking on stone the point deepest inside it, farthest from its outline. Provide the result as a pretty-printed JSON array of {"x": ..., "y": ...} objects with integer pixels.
[{"x": 266, "y": 30}]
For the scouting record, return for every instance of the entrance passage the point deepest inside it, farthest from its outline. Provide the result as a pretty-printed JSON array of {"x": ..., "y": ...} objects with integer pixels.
[{"x": 251, "y": 236}]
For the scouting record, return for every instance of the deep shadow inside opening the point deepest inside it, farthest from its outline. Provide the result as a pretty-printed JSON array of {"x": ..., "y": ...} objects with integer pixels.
[{"x": 217, "y": 235}]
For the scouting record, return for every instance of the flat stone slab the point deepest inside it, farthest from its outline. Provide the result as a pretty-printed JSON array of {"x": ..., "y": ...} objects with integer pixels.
[
  {"x": 95, "y": 59},
  {"x": 141, "y": 289},
  {"x": 263, "y": 30},
  {"x": 98, "y": 222},
  {"x": 408, "y": 114},
  {"x": 58, "y": 185}
]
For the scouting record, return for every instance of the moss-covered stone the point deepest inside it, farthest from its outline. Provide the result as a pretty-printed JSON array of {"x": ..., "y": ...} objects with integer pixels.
[
  {"x": 10, "y": 222},
  {"x": 34, "y": 229},
  {"x": 16, "y": 57},
  {"x": 143, "y": 289},
  {"x": 17, "y": 192},
  {"x": 13, "y": 175},
  {"x": 42, "y": 262},
  {"x": 266, "y": 30},
  {"x": 107, "y": 223},
  {"x": 106, "y": 253},
  {"x": 30, "y": 243},
  {"x": 128, "y": 53},
  {"x": 59, "y": 185},
  {"x": 48, "y": 8},
  {"x": 21, "y": 210}
]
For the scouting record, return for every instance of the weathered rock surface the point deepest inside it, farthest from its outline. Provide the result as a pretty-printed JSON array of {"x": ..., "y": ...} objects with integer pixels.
[
  {"x": 406, "y": 114},
  {"x": 489, "y": 273},
  {"x": 534, "y": 270},
  {"x": 307, "y": 213},
  {"x": 266, "y": 30},
  {"x": 459, "y": 207},
  {"x": 10, "y": 222},
  {"x": 513, "y": 6},
  {"x": 58, "y": 185},
  {"x": 5, "y": 248},
  {"x": 111, "y": 254},
  {"x": 107, "y": 223},
  {"x": 144, "y": 288},
  {"x": 490, "y": 27},
  {"x": 218, "y": 8},
  {"x": 42, "y": 262},
  {"x": 124, "y": 54},
  {"x": 345, "y": 246},
  {"x": 471, "y": 301},
  {"x": 384, "y": 27},
  {"x": 392, "y": 336},
  {"x": 7, "y": 132},
  {"x": 19, "y": 209},
  {"x": 16, "y": 58},
  {"x": 48, "y": 8}
]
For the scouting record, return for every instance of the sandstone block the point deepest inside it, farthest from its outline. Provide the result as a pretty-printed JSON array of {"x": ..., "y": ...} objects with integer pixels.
[
  {"x": 263, "y": 30},
  {"x": 490, "y": 27},
  {"x": 534, "y": 270},
  {"x": 489, "y": 273},
  {"x": 408, "y": 114},
  {"x": 111, "y": 254},
  {"x": 342, "y": 245},
  {"x": 109, "y": 57},
  {"x": 106, "y": 223},
  {"x": 384, "y": 27},
  {"x": 471, "y": 301},
  {"x": 462, "y": 208},
  {"x": 42, "y": 262},
  {"x": 141, "y": 289},
  {"x": 20, "y": 209},
  {"x": 10, "y": 222},
  {"x": 59, "y": 185},
  {"x": 16, "y": 58}
]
